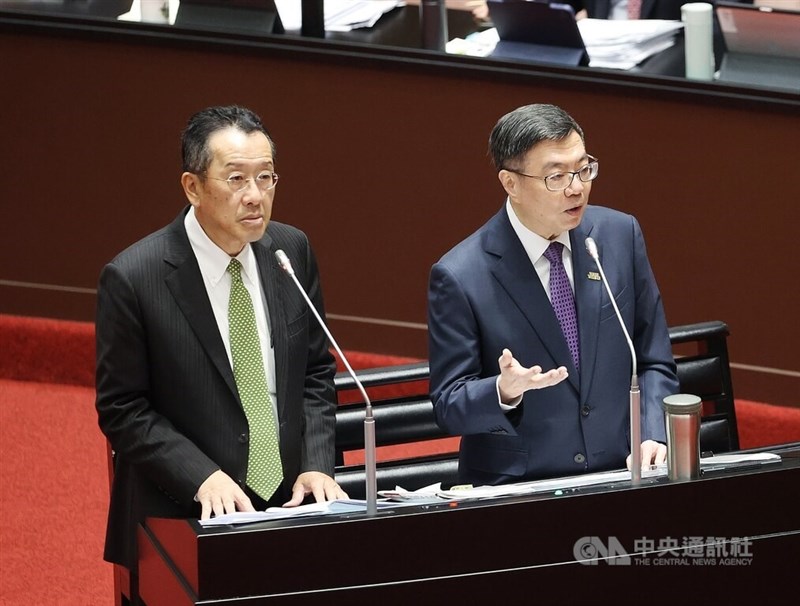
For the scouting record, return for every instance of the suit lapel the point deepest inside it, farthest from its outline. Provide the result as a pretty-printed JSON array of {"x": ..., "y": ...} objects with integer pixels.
[
  {"x": 588, "y": 296},
  {"x": 187, "y": 287},
  {"x": 515, "y": 273},
  {"x": 273, "y": 283}
]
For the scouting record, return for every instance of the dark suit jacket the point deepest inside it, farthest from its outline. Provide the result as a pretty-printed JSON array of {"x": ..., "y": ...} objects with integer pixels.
[
  {"x": 166, "y": 396},
  {"x": 485, "y": 296}
]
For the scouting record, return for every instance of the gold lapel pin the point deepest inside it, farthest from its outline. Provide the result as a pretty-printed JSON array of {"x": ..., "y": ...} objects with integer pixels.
[{"x": 593, "y": 275}]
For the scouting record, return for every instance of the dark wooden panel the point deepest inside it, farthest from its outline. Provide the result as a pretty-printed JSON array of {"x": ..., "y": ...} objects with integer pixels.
[
  {"x": 513, "y": 546},
  {"x": 383, "y": 163}
]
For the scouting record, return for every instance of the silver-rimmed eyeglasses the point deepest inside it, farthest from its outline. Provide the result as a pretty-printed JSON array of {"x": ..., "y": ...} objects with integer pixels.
[
  {"x": 264, "y": 181},
  {"x": 561, "y": 181}
]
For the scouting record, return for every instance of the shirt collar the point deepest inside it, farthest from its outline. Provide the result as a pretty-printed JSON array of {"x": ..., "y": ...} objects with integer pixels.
[
  {"x": 212, "y": 259},
  {"x": 532, "y": 242}
]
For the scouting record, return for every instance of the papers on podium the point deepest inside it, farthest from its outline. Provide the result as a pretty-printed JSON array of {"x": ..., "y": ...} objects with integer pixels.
[
  {"x": 623, "y": 44},
  {"x": 340, "y": 15},
  {"x": 281, "y": 513},
  {"x": 435, "y": 495},
  {"x": 571, "y": 484},
  {"x": 152, "y": 13},
  {"x": 554, "y": 485},
  {"x": 610, "y": 43}
]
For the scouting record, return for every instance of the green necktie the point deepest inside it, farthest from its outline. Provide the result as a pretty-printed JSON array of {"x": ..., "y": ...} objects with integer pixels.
[{"x": 264, "y": 470}]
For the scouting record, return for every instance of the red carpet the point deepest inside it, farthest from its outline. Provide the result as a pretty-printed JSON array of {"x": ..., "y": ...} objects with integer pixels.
[
  {"x": 54, "y": 497},
  {"x": 54, "y": 475},
  {"x": 764, "y": 425}
]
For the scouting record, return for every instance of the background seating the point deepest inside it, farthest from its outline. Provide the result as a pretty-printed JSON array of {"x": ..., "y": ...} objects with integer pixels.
[{"x": 706, "y": 373}]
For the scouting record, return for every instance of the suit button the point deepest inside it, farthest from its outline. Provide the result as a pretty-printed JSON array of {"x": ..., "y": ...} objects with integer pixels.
[
  {"x": 579, "y": 458},
  {"x": 585, "y": 411},
  {"x": 244, "y": 438}
]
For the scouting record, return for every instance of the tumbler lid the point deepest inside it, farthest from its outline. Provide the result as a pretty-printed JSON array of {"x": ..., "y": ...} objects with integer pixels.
[
  {"x": 697, "y": 12},
  {"x": 682, "y": 404}
]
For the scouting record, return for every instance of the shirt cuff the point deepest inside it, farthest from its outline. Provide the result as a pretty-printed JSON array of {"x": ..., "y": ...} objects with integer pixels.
[{"x": 506, "y": 407}]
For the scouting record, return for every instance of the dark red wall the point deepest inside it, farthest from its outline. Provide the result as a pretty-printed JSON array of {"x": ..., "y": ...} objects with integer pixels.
[{"x": 384, "y": 165}]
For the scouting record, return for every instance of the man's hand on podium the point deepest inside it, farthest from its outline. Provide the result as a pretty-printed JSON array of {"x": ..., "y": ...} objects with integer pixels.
[
  {"x": 322, "y": 486},
  {"x": 219, "y": 494},
  {"x": 653, "y": 453}
]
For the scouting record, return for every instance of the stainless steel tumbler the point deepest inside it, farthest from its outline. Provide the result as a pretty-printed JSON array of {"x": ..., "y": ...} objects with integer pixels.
[{"x": 682, "y": 415}]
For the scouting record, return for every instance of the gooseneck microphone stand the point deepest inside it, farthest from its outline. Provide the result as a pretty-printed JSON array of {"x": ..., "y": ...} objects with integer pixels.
[
  {"x": 635, "y": 395},
  {"x": 369, "y": 420}
]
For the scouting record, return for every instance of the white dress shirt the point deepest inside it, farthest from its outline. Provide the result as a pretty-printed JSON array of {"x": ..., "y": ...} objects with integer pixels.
[
  {"x": 214, "y": 263},
  {"x": 535, "y": 246}
]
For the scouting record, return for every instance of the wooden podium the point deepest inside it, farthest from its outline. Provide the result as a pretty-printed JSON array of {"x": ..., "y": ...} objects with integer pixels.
[{"x": 731, "y": 536}]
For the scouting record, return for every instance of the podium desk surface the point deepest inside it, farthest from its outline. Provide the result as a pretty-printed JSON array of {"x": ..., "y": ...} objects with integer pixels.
[{"x": 731, "y": 533}]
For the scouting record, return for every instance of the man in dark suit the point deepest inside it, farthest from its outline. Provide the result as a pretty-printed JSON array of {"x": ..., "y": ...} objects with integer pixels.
[
  {"x": 521, "y": 294},
  {"x": 169, "y": 392}
]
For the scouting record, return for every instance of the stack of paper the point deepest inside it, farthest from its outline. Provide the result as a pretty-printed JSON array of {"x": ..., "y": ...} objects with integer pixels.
[
  {"x": 433, "y": 494},
  {"x": 153, "y": 12},
  {"x": 337, "y": 507},
  {"x": 610, "y": 43},
  {"x": 340, "y": 15},
  {"x": 478, "y": 44},
  {"x": 623, "y": 44}
]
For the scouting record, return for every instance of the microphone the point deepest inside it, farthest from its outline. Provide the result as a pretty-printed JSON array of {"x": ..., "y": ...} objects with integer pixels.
[
  {"x": 635, "y": 395},
  {"x": 369, "y": 420}
]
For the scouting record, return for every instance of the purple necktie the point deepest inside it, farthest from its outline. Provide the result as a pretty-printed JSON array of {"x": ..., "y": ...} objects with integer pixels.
[{"x": 562, "y": 299}]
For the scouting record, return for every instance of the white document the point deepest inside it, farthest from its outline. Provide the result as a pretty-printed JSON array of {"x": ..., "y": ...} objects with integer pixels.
[
  {"x": 570, "y": 483},
  {"x": 340, "y": 15},
  {"x": 623, "y": 44},
  {"x": 486, "y": 492},
  {"x": 628, "y": 59},
  {"x": 136, "y": 13},
  {"x": 609, "y": 43},
  {"x": 401, "y": 494},
  {"x": 615, "y": 32},
  {"x": 734, "y": 460},
  {"x": 479, "y": 44},
  {"x": 434, "y": 494},
  {"x": 279, "y": 513}
]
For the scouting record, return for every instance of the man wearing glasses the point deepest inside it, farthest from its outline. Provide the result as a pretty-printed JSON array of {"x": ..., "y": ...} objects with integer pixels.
[
  {"x": 528, "y": 362},
  {"x": 214, "y": 383}
]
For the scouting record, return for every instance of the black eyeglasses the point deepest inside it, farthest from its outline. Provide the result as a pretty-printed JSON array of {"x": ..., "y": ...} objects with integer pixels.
[{"x": 561, "y": 181}]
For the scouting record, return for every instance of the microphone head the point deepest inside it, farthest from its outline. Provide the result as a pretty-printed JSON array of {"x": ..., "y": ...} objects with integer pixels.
[
  {"x": 284, "y": 262},
  {"x": 591, "y": 248}
]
